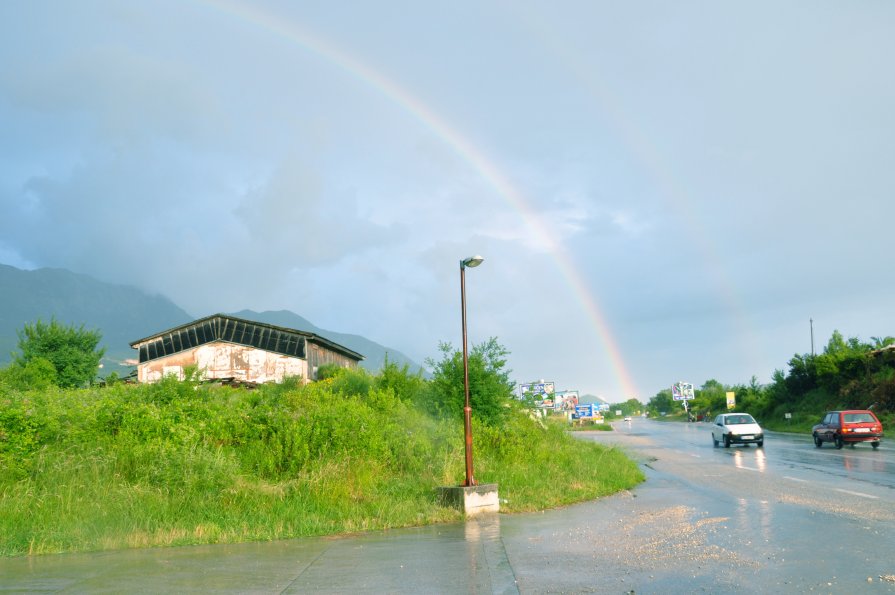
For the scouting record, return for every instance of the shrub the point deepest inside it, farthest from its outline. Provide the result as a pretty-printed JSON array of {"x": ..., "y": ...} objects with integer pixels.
[
  {"x": 71, "y": 351},
  {"x": 490, "y": 389}
]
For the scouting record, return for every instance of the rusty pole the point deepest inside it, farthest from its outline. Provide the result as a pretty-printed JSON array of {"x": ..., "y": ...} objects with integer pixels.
[{"x": 472, "y": 261}]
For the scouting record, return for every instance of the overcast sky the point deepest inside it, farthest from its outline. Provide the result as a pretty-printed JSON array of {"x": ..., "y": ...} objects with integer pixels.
[{"x": 662, "y": 191}]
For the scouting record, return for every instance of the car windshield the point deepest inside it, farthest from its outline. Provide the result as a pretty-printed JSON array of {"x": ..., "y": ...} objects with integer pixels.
[
  {"x": 857, "y": 418},
  {"x": 733, "y": 420}
]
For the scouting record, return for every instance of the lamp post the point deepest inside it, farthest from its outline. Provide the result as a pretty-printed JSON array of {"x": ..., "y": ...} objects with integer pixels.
[{"x": 471, "y": 262}]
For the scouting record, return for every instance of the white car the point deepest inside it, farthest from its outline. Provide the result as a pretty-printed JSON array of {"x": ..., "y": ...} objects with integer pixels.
[
  {"x": 627, "y": 418},
  {"x": 737, "y": 428}
]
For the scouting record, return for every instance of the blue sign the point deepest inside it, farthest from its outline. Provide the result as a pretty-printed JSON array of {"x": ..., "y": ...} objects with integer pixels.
[{"x": 584, "y": 411}]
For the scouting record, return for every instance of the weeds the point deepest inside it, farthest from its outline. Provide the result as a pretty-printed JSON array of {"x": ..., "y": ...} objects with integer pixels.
[{"x": 180, "y": 463}]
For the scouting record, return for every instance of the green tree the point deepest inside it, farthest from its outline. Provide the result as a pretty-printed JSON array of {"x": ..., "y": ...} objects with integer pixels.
[
  {"x": 490, "y": 387},
  {"x": 881, "y": 342},
  {"x": 405, "y": 385},
  {"x": 37, "y": 374},
  {"x": 629, "y": 407},
  {"x": 711, "y": 397},
  {"x": 662, "y": 402},
  {"x": 72, "y": 351}
]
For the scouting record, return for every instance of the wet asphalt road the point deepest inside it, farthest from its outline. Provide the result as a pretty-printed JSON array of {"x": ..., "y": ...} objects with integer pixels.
[{"x": 787, "y": 518}]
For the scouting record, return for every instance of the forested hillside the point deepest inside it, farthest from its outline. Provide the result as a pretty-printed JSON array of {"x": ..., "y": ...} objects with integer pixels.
[
  {"x": 122, "y": 313},
  {"x": 847, "y": 374}
]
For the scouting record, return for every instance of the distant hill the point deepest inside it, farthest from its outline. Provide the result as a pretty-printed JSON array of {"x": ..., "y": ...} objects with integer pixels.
[
  {"x": 374, "y": 353},
  {"x": 588, "y": 398},
  {"x": 123, "y": 313}
]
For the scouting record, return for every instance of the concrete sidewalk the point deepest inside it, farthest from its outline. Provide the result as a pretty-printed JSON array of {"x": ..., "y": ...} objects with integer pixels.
[
  {"x": 467, "y": 557},
  {"x": 594, "y": 547}
]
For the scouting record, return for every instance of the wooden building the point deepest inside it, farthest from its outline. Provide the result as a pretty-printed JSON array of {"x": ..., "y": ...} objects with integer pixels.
[{"x": 228, "y": 348}]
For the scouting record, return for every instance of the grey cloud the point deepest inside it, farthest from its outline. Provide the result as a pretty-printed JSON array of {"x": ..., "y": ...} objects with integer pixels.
[
  {"x": 127, "y": 96},
  {"x": 301, "y": 218}
]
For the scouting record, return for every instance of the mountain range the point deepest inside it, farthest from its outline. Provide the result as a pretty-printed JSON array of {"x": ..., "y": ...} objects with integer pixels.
[{"x": 123, "y": 313}]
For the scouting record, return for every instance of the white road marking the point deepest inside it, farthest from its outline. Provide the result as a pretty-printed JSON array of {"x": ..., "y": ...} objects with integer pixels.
[
  {"x": 857, "y": 494},
  {"x": 795, "y": 479},
  {"x": 748, "y": 468}
]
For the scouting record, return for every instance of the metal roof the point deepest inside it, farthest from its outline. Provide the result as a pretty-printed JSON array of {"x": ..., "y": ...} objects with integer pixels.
[{"x": 230, "y": 329}]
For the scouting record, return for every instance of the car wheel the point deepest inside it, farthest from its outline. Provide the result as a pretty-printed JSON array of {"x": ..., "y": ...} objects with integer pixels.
[
  {"x": 760, "y": 444},
  {"x": 715, "y": 442},
  {"x": 817, "y": 441},
  {"x": 726, "y": 441},
  {"x": 875, "y": 445},
  {"x": 839, "y": 442}
]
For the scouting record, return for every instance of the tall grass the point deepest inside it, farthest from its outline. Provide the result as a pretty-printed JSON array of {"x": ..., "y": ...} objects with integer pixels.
[{"x": 177, "y": 463}]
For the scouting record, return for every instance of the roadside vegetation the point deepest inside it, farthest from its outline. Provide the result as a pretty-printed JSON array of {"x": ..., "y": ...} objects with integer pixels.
[
  {"x": 589, "y": 427},
  {"x": 184, "y": 462},
  {"x": 848, "y": 374}
]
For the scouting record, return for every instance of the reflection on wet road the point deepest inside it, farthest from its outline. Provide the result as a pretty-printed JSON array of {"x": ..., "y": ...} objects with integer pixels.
[
  {"x": 813, "y": 512},
  {"x": 795, "y": 454}
]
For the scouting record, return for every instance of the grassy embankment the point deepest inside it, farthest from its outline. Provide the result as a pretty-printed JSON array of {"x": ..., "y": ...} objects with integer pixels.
[{"x": 175, "y": 463}]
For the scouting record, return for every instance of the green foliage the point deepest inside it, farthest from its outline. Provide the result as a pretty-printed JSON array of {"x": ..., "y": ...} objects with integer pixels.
[
  {"x": 326, "y": 371},
  {"x": 400, "y": 381},
  {"x": 37, "y": 374},
  {"x": 569, "y": 470},
  {"x": 663, "y": 401},
  {"x": 847, "y": 374},
  {"x": 490, "y": 387},
  {"x": 19, "y": 439},
  {"x": 880, "y": 342},
  {"x": 181, "y": 462},
  {"x": 352, "y": 381},
  {"x": 71, "y": 351}
]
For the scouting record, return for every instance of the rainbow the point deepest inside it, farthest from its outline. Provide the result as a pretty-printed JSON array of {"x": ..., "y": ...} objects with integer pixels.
[
  {"x": 463, "y": 148},
  {"x": 672, "y": 190}
]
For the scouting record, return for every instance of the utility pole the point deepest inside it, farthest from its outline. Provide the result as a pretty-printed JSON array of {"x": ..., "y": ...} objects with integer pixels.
[{"x": 811, "y": 322}]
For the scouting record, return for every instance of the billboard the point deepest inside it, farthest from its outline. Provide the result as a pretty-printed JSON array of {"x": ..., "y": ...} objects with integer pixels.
[
  {"x": 585, "y": 411},
  {"x": 565, "y": 400},
  {"x": 682, "y": 391},
  {"x": 731, "y": 400},
  {"x": 541, "y": 392}
]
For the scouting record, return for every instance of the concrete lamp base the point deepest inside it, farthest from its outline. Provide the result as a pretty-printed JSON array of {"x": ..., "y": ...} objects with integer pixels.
[{"x": 472, "y": 500}]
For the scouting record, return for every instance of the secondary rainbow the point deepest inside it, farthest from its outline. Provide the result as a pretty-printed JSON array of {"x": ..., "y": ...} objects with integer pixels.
[{"x": 463, "y": 147}]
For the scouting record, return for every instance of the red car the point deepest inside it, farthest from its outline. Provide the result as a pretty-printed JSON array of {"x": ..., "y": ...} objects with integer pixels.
[{"x": 848, "y": 427}]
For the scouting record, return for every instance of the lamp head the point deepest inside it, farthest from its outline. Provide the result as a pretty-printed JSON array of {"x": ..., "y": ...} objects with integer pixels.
[{"x": 472, "y": 261}]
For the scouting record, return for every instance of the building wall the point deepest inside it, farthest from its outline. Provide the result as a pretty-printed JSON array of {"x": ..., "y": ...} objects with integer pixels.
[
  {"x": 226, "y": 360},
  {"x": 319, "y": 355}
]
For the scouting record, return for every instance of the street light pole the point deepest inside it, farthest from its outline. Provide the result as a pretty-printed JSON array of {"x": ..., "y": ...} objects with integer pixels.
[{"x": 472, "y": 261}]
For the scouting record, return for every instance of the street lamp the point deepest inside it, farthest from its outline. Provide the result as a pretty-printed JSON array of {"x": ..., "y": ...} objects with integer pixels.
[{"x": 471, "y": 262}]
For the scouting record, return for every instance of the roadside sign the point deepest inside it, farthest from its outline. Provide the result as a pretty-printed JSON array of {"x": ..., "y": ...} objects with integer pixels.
[
  {"x": 585, "y": 411},
  {"x": 731, "y": 400},
  {"x": 565, "y": 400},
  {"x": 682, "y": 391},
  {"x": 541, "y": 392}
]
